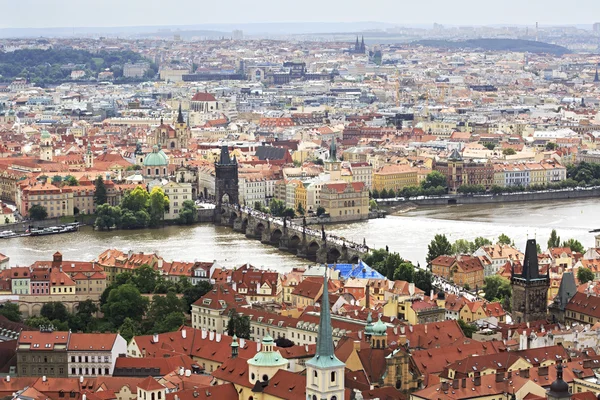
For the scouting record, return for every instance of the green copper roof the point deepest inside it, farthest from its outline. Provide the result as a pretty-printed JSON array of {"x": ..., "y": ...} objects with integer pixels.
[
  {"x": 369, "y": 327},
  {"x": 325, "y": 357},
  {"x": 267, "y": 357},
  {"x": 234, "y": 341},
  {"x": 379, "y": 329},
  {"x": 45, "y": 134},
  {"x": 155, "y": 159}
]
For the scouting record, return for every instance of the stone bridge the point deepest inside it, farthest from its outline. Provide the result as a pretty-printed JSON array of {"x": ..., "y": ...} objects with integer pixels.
[{"x": 298, "y": 239}]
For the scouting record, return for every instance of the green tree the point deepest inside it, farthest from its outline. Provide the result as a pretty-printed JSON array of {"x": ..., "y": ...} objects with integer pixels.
[
  {"x": 585, "y": 275},
  {"x": 56, "y": 180},
  {"x": 551, "y": 146},
  {"x": 423, "y": 279},
  {"x": 169, "y": 323},
  {"x": 107, "y": 217},
  {"x": 375, "y": 194},
  {"x": 136, "y": 200},
  {"x": 158, "y": 204},
  {"x": 461, "y": 246},
  {"x": 489, "y": 146},
  {"x": 289, "y": 213},
  {"x": 320, "y": 211},
  {"x": 373, "y": 205},
  {"x": 258, "y": 206},
  {"x": 300, "y": 209},
  {"x": 574, "y": 245},
  {"x": 123, "y": 302},
  {"x": 100, "y": 196},
  {"x": 193, "y": 293},
  {"x": 238, "y": 325},
  {"x": 145, "y": 278},
  {"x": 509, "y": 152},
  {"x": 37, "y": 212},
  {"x": 497, "y": 288},
  {"x": 276, "y": 207},
  {"x": 554, "y": 240},
  {"x": 11, "y": 311},
  {"x": 405, "y": 271},
  {"x": 55, "y": 311},
  {"x": 467, "y": 329},
  {"x": 70, "y": 180},
  {"x": 129, "y": 328},
  {"x": 187, "y": 213},
  {"x": 439, "y": 246},
  {"x": 433, "y": 180},
  {"x": 504, "y": 239},
  {"x": 479, "y": 242},
  {"x": 384, "y": 194}
]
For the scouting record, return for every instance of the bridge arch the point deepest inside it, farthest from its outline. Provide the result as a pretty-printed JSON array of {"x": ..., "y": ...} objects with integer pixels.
[
  {"x": 333, "y": 254},
  {"x": 276, "y": 236},
  {"x": 232, "y": 217},
  {"x": 260, "y": 228},
  {"x": 244, "y": 224},
  {"x": 294, "y": 242},
  {"x": 312, "y": 250}
]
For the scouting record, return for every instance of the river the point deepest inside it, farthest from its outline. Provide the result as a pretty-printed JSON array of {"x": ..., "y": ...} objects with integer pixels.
[{"x": 408, "y": 233}]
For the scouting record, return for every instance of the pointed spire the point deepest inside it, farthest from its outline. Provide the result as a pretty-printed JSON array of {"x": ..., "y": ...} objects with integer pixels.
[
  {"x": 180, "y": 119},
  {"x": 596, "y": 77},
  {"x": 325, "y": 338},
  {"x": 530, "y": 262},
  {"x": 224, "y": 160}
]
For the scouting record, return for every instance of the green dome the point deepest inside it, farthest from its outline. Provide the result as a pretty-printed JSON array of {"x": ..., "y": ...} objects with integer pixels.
[
  {"x": 379, "y": 329},
  {"x": 155, "y": 159},
  {"x": 267, "y": 357},
  {"x": 45, "y": 134}
]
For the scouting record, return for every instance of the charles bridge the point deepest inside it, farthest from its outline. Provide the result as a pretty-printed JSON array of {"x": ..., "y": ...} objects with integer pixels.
[{"x": 301, "y": 240}]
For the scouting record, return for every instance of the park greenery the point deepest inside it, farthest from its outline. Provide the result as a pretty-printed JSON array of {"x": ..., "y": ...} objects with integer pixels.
[
  {"x": 125, "y": 304},
  {"x": 138, "y": 209},
  {"x": 51, "y": 66},
  {"x": 394, "y": 267},
  {"x": 238, "y": 325},
  {"x": 277, "y": 208},
  {"x": 585, "y": 275},
  {"x": 498, "y": 289}
]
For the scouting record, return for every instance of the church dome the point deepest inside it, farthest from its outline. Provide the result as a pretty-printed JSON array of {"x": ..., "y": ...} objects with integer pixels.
[
  {"x": 379, "y": 329},
  {"x": 155, "y": 159},
  {"x": 369, "y": 327},
  {"x": 268, "y": 357},
  {"x": 45, "y": 134}
]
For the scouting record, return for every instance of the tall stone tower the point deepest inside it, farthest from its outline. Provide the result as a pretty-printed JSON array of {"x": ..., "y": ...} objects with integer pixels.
[
  {"x": 46, "y": 149},
  {"x": 325, "y": 372},
  {"x": 89, "y": 156},
  {"x": 333, "y": 166},
  {"x": 530, "y": 289},
  {"x": 226, "y": 179}
]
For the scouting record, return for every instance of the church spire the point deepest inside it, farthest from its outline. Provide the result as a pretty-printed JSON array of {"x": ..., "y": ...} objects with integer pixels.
[
  {"x": 325, "y": 338},
  {"x": 596, "y": 77},
  {"x": 362, "y": 44},
  {"x": 180, "y": 119}
]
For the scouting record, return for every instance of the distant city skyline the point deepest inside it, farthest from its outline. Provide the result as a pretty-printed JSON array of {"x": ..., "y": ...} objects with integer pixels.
[{"x": 113, "y": 13}]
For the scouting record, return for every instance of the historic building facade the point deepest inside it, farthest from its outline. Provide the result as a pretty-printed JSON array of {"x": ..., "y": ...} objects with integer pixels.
[
  {"x": 530, "y": 289},
  {"x": 226, "y": 178}
]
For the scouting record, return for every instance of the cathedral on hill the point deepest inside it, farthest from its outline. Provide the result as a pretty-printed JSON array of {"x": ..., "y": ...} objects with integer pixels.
[{"x": 171, "y": 137}]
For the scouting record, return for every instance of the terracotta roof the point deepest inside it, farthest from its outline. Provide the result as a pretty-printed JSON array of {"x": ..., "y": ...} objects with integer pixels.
[
  {"x": 92, "y": 341},
  {"x": 150, "y": 384}
]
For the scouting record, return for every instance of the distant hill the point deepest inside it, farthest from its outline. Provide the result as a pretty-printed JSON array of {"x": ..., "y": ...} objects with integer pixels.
[{"x": 518, "y": 45}]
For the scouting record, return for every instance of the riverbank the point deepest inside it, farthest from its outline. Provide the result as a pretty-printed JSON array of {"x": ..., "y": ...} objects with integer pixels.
[{"x": 564, "y": 194}]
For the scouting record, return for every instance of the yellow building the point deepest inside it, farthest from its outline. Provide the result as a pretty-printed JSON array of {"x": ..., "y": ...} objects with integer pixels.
[
  {"x": 346, "y": 201},
  {"x": 395, "y": 177},
  {"x": 301, "y": 196}
]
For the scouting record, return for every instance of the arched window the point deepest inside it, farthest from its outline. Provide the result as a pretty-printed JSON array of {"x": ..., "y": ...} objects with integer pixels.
[
  {"x": 265, "y": 377},
  {"x": 333, "y": 397},
  {"x": 314, "y": 397},
  {"x": 157, "y": 171},
  {"x": 333, "y": 376},
  {"x": 352, "y": 203},
  {"x": 253, "y": 376},
  {"x": 152, "y": 396}
]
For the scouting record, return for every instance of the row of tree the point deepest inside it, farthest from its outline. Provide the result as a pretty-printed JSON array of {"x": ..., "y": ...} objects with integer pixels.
[
  {"x": 574, "y": 245},
  {"x": 433, "y": 184},
  {"x": 125, "y": 306},
  {"x": 394, "y": 267}
]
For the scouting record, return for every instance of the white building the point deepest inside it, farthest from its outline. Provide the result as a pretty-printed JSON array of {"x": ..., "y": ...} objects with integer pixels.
[
  {"x": 94, "y": 354},
  {"x": 177, "y": 194}
]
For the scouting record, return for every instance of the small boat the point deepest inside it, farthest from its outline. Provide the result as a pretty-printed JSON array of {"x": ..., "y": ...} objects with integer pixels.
[{"x": 7, "y": 234}]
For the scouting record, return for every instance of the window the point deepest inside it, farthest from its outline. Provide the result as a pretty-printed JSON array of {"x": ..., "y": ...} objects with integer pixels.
[{"x": 333, "y": 377}]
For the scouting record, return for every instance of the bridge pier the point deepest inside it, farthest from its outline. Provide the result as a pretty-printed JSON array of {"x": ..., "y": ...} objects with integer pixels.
[
  {"x": 237, "y": 225},
  {"x": 303, "y": 249},
  {"x": 322, "y": 254}
]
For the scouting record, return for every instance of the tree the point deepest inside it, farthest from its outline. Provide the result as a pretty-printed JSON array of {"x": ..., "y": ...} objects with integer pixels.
[
  {"x": 289, "y": 213},
  {"x": 373, "y": 205},
  {"x": 375, "y": 194},
  {"x": 129, "y": 329},
  {"x": 554, "y": 240},
  {"x": 258, "y": 206},
  {"x": 384, "y": 193},
  {"x": 283, "y": 342},
  {"x": 439, "y": 246},
  {"x": 123, "y": 302},
  {"x": 461, "y": 246},
  {"x": 320, "y": 211},
  {"x": 37, "y": 212},
  {"x": 169, "y": 323},
  {"x": 87, "y": 309},
  {"x": 166, "y": 312},
  {"x": 70, "y": 180},
  {"x": 107, "y": 217},
  {"x": 55, "y": 311},
  {"x": 551, "y": 146},
  {"x": 467, "y": 329},
  {"x": 585, "y": 275},
  {"x": 423, "y": 279},
  {"x": 11, "y": 311},
  {"x": 100, "y": 196},
  {"x": 509, "y": 152},
  {"x": 433, "y": 180},
  {"x": 405, "y": 271},
  {"x": 300, "y": 209},
  {"x": 497, "y": 288},
  {"x": 504, "y": 239},
  {"x": 277, "y": 207},
  {"x": 238, "y": 325},
  {"x": 193, "y": 293},
  {"x": 136, "y": 200},
  {"x": 187, "y": 213},
  {"x": 56, "y": 180},
  {"x": 489, "y": 146},
  {"x": 479, "y": 242},
  {"x": 158, "y": 204},
  {"x": 574, "y": 245},
  {"x": 145, "y": 278}
]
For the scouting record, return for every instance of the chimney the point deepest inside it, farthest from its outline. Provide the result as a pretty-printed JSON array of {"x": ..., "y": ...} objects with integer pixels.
[
  {"x": 143, "y": 352},
  {"x": 81, "y": 379},
  {"x": 425, "y": 328},
  {"x": 431, "y": 295},
  {"x": 499, "y": 376},
  {"x": 7, "y": 378},
  {"x": 445, "y": 386},
  {"x": 211, "y": 336},
  {"x": 463, "y": 383},
  {"x": 84, "y": 397},
  {"x": 218, "y": 337},
  {"x": 357, "y": 345},
  {"x": 455, "y": 384},
  {"x": 524, "y": 373},
  {"x": 543, "y": 371},
  {"x": 477, "y": 381},
  {"x": 188, "y": 373},
  {"x": 181, "y": 371},
  {"x": 155, "y": 338},
  {"x": 183, "y": 333},
  {"x": 44, "y": 379},
  {"x": 367, "y": 295}
]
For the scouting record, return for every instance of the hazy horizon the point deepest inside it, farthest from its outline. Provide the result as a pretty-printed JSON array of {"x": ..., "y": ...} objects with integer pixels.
[{"x": 36, "y": 14}]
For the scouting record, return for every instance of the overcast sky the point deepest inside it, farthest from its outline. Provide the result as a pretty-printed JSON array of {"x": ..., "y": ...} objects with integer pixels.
[{"x": 100, "y": 13}]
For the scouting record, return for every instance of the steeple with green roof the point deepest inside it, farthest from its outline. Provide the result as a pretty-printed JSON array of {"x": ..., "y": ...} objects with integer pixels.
[{"x": 325, "y": 372}]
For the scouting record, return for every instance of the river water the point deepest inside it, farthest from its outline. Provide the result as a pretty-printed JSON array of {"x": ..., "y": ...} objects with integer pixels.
[{"x": 408, "y": 233}]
